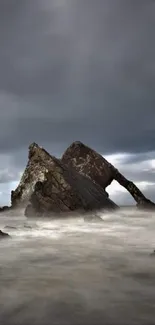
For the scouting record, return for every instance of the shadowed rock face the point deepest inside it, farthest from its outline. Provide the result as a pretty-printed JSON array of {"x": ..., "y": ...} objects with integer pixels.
[
  {"x": 88, "y": 162},
  {"x": 75, "y": 182},
  {"x": 65, "y": 190},
  {"x": 49, "y": 185},
  {"x": 54, "y": 194}
]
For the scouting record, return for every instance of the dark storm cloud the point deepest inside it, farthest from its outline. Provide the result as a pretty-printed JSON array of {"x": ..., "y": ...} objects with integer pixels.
[{"x": 77, "y": 70}]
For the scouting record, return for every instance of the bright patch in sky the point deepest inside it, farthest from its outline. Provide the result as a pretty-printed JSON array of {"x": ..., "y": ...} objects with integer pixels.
[
  {"x": 115, "y": 190},
  {"x": 116, "y": 158},
  {"x": 152, "y": 164}
]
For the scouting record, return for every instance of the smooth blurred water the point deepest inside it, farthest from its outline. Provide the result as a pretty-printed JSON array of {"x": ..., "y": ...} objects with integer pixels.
[{"x": 69, "y": 272}]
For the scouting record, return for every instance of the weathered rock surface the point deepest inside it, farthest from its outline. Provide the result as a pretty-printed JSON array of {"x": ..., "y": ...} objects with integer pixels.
[
  {"x": 88, "y": 162},
  {"x": 66, "y": 190},
  {"x": 75, "y": 182},
  {"x": 146, "y": 204},
  {"x": 3, "y": 235},
  {"x": 39, "y": 162}
]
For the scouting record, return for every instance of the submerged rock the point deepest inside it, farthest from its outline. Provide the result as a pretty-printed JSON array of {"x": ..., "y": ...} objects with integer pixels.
[
  {"x": 3, "y": 235},
  {"x": 146, "y": 204},
  {"x": 4, "y": 208},
  {"x": 153, "y": 253}
]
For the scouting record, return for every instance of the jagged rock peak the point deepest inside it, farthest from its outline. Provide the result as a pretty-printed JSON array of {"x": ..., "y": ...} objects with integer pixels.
[
  {"x": 80, "y": 145},
  {"x": 77, "y": 143},
  {"x": 33, "y": 145},
  {"x": 39, "y": 162},
  {"x": 35, "y": 149}
]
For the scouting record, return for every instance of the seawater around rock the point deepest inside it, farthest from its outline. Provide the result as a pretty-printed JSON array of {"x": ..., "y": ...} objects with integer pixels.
[{"x": 76, "y": 273}]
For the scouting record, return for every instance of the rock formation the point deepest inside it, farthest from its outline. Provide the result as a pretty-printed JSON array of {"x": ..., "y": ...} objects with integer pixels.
[
  {"x": 66, "y": 190},
  {"x": 75, "y": 182},
  {"x": 48, "y": 185},
  {"x": 3, "y": 235},
  {"x": 88, "y": 162},
  {"x": 4, "y": 208}
]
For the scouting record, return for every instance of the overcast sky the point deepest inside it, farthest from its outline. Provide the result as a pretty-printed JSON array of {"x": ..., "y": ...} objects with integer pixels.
[{"x": 78, "y": 70}]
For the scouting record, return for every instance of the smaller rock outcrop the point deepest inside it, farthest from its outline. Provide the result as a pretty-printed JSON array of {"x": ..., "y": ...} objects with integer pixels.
[
  {"x": 5, "y": 208},
  {"x": 3, "y": 235}
]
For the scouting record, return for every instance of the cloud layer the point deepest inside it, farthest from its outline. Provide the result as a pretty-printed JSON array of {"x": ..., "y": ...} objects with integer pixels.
[
  {"x": 76, "y": 70},
  {"x": 70, "y": 67}
]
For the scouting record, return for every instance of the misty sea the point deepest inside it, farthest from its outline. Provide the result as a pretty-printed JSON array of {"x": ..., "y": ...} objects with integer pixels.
[{"x": 70, "y": 272}]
